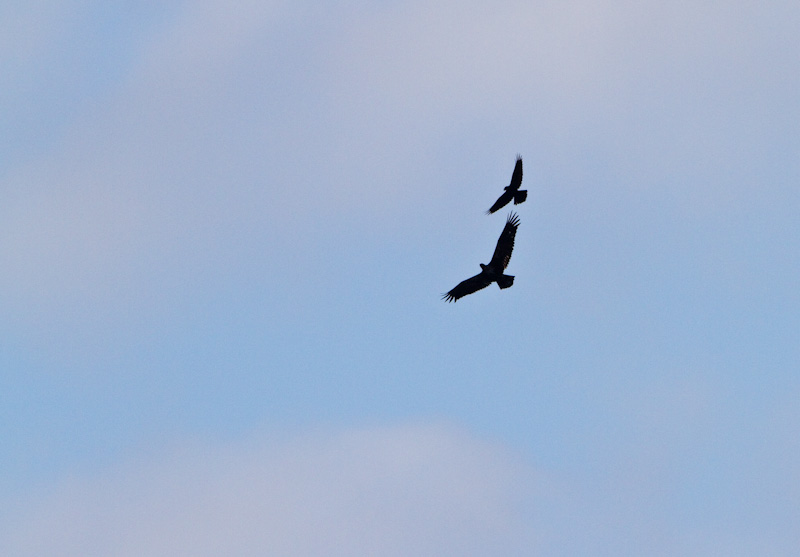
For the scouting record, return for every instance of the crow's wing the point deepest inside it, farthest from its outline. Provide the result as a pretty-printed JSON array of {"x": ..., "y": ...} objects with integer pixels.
[
  {"x": 501, "y": 202},
  {"x": 505, "y": 243},
  {"x": 465, "y": 287},
  {"x": 516, "y": 177}
]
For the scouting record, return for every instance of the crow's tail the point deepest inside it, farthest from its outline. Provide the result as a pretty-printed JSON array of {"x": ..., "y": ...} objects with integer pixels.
[
  {"x": 504, "y": 281},
  {"x": 520, "y": 196}
]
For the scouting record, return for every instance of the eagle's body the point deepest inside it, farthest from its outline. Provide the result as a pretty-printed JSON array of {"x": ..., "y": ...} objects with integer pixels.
[
  {"x": 493, "y": 271},
  {"x": 512, "y": 190}
]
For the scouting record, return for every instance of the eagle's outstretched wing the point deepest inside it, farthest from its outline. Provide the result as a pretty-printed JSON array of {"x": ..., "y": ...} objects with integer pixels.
[
  {"x": 505, "y": 244},
  {"x": 472, "y": 284}
]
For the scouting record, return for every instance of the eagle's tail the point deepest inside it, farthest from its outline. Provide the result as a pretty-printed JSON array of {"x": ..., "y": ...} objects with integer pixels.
[
  {"x": 504, "y": 281},
  {"x": 520, "y": 196}
]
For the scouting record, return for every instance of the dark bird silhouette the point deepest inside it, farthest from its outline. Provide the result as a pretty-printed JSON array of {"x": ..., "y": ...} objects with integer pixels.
[
  {"x": 512, "y": 190},
  {"x": 493, "y": 272}
]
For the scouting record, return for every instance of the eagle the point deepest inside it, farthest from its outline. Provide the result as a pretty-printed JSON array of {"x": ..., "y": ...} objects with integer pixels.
[
  {"x": 512, "y": 190},
  {"x": 493, "y": 272}
]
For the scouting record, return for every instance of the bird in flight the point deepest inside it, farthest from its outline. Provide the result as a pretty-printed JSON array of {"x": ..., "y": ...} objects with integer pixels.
[
  {"x": 512, "y": 190},
  {"x": 493, "y": 272}
]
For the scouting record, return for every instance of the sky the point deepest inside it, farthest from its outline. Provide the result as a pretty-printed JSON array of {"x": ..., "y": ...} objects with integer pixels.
[{"x": 225, "y": 230}]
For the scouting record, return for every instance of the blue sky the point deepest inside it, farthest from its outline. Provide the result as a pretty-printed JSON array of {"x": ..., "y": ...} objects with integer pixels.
[{"x": 224, "y": 234}]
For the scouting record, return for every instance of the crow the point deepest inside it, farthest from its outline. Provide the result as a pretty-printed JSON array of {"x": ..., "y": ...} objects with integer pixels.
[
  {"x": 512, "y": 190},
  {"x": 493, "y": 272}
]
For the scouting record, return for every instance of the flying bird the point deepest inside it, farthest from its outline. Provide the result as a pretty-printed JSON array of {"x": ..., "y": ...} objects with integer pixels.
[
  {"x": 493, "y": 272},
  {"x": 512, "y": 190}
]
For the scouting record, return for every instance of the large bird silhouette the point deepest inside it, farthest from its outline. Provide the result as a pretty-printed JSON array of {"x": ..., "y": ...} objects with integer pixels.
[
  {"x": 493, "y": 272},
  {"x": 512, "y": 190}
]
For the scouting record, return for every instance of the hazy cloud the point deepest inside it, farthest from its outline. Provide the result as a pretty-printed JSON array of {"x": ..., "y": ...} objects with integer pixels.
[{"x": 417, "y": 490}]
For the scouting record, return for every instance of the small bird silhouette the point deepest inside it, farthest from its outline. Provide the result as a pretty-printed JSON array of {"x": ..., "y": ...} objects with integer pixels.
[{"x": 512, "y": 190}]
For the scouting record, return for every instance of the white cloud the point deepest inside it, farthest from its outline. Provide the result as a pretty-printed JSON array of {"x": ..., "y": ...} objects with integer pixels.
[
  {"x": 413, "y": 490},
  {"x": 417, "y": 490}
]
